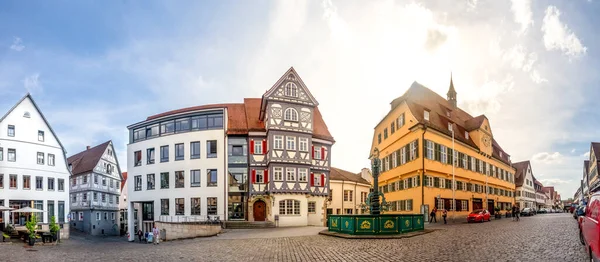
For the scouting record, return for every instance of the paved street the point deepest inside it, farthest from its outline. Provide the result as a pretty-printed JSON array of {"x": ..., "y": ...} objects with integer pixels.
[{"x": 545, "y": 237}]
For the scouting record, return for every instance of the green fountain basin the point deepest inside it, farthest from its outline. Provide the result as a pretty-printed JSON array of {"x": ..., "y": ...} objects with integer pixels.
[{"x": 388, "y": 224}]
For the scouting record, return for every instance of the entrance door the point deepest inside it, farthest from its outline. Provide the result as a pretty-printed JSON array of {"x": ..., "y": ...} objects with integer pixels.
[
  {"x": 259, "y": 210},
  {"x": 491, "y": 207}
]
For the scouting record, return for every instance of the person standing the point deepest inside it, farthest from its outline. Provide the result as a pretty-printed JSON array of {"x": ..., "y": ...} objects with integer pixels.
[
  {"x": 156, "y": 233},
  {"x": 444, "y": 215},
  {"x": 140, "y": 234},
  {"x": 515, "y": 212},
  {"x": 432, "y": 215}
]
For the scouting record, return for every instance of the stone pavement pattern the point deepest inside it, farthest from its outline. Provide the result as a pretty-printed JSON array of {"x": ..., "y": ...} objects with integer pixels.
[{"x": 545, "y": 237}]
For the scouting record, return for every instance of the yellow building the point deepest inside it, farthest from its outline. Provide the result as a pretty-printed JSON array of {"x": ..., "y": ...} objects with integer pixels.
[{"x": 415, "y": 141}]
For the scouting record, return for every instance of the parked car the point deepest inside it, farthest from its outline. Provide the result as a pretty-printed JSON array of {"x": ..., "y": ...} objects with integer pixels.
[
  {"x": 580, "y": 211},
  {"x": 478, "y": 215},
  {"x": 589, "y": 227},
  {"x": 526, "y": 212},
  {"x": 543, "y": 211}
]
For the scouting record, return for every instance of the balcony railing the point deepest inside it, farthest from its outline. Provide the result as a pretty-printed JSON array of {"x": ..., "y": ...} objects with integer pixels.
[{"x": 209, "y": 219}]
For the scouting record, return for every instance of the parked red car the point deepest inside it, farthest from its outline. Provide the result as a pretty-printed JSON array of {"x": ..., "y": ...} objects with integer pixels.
[
  {"x": 478, "y": 215},
  {"x": 589, "y": 229}
]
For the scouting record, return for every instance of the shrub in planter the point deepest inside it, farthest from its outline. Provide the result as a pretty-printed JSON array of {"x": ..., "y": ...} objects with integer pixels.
[
  {"x": 54, "y": 228},
  {"x": 31, "y": 226}
]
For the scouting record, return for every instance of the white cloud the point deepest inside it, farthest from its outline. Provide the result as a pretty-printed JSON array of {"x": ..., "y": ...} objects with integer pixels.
[
  {"x": 522, "y": 14},
  {"x": 573, "y": 151},
  {"x": 17, "y": 44},
  {"x": 555, "y": 182},
  {"x": 586, "y": 155},
  {"x": 32, "y": 84},
  {"x": 548, "y": 158},
  {"x": 557, "y": 36}
]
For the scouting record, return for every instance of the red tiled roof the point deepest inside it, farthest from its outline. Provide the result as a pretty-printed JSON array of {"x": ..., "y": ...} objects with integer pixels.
[
  {"x": 123, "y": 180},
  {"x": 343, "y": 175},
  {"x": 85, "y": 161},
  {"x": 441, "y": 112},
  {"x": 244, "y": 117}
]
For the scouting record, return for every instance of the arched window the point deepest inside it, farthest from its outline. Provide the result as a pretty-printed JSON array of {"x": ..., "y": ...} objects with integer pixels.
[
  {"x": 289, "y": 207},
  {"x": 291, "y": 114},
  {"x": 291, "y": 89}
]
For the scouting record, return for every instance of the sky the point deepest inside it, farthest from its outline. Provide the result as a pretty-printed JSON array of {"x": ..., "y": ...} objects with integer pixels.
[{"x": 95, "y": 67}]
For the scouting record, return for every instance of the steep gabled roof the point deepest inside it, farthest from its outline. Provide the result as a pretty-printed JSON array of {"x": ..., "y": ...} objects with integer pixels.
[
  {"x": 419, "y": 98},
  {"x": 343, "y": 175},
  {"x": 28, "y": 95},
  {"x": 521, "y": 172},
  {"x": 596, "y": 147},
  {"x": 86, "y": 161}
]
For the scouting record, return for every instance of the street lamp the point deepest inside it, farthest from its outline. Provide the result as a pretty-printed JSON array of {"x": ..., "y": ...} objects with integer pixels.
[{"x": 374, "y": 205}]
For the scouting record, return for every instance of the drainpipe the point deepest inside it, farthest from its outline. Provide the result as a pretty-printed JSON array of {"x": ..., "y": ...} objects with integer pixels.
[
  {"x": 226, "y": 170},
  {"x": 423, "y": 173},
  {"x": 342, "y": 197},
  {"x": 355, "y": 209}
]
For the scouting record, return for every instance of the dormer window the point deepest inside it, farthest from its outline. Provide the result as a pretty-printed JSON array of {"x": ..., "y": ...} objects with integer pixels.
[
  {"x": 291, "y": 114},
  {"x": 501, "y": 154},
  {"x": 26, "y": 115},
  {"x": 466, "y": 135},
  {"x": 450, "y": 126},
  {"x": 426, "y": 115},
  {"x": 291, "y": 89}
]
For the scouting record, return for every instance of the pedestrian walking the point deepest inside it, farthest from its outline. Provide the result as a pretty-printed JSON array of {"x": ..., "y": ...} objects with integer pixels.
[
  {"x": 444, "y": 215},
  {"x": 140, "y": 235},
  {"x": 156, "y": 233},
  {"x": 515, "y": 213},
  {"x": 432, "y": 215}
]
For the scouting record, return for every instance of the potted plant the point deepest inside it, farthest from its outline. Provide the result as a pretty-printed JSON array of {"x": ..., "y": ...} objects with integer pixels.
[
  {"x": 54, "y": 228},
  {"x": 497, "y": 213},
  {"x": 508, "y": 213},
  {"x": 31, "y": 226}
]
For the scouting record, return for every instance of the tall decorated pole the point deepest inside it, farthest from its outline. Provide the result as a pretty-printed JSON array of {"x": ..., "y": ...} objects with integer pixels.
[{"x": 375, "y": 164}]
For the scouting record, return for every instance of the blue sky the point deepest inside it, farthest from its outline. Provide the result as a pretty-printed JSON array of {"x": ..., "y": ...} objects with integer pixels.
[{"x": 95, "y": 67}]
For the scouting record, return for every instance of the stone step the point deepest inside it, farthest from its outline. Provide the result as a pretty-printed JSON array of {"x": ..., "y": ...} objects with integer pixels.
[{"x": 248, "y": 224}]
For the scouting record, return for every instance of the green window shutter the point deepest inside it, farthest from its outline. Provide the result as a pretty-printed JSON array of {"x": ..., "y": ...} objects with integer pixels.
[
  {"x": 437, "y": 152},
  {"x": 417, "y": 148},
  {"x": 425, "y": 148},
  {"x": 398, "y": 158},
  {"x": 436, "y": 182},
  {"x": 450, "y": 156},
  {"x": 418, "y": 181}
]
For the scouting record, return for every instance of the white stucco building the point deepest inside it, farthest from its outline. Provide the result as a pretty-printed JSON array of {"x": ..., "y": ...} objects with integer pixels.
[
  {"x": 33, "y": 167},
  {"x": 525, "y": 186},
  {"x": 176, "y": 168},
  {"x": 349, "y": 191}
]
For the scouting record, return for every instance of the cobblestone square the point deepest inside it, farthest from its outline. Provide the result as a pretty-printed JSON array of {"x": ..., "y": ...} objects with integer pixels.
[{"x": 544, "y": 237}]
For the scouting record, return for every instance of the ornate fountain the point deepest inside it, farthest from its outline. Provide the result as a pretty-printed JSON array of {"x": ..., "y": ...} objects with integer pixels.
[{"x": 375, "y": 223}]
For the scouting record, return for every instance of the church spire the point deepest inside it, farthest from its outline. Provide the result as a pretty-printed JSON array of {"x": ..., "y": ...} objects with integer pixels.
[{"x": 451, "y": 93}]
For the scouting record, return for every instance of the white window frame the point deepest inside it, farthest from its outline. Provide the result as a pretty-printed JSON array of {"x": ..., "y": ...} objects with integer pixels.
[
  {"x": 400, "y": 121},
  {"x": 290, "y": 142},
  {"x": 442, "y": 182},
  {"x": 258, "y": 150},
  {"x": 278, "y": 173},
  {"x": 303, "y": 144},
  {"x": 430, "y": 149},
  {"x": 98, "y": 216},
  {"x": 395, "y": 159},
  {"x": 348, "y": 197},
  {"x": 413, "y": 150},
  {"x": 80, "y": 216},
  {"x": 403, "y": 155},
  {"x": 290, "y": 174},
  {"x": 443, "y": 154},
  {"x": 260, "y": 176},
  {"x": 414, "y": 181},
  {"x": 426, "y": 115},
  {"x": 317, "y": 152},
  {"x": 429, "y": 180},
  {"x": 317, "y": 179},
  {"x": 302, "y": 174},
  {"x": 291, "y": 89},
  {"x": 112, "y": 216},
  {"x": 440, "y": 203},
  {"x": 278, "y": 142},
  {"x": 293, "y": 114}
]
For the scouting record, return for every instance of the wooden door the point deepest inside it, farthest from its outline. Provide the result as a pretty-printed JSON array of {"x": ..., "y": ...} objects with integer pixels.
[{"x": 259, "y": 210}]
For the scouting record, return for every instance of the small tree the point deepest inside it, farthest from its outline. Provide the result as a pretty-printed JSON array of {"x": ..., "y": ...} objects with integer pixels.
[
  {"x": 31, "y": 226},
  {"x": 53, "y": 226}
]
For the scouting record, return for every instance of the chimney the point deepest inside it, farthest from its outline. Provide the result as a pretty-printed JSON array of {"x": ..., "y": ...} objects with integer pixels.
[{"x": 87, "y": 148}]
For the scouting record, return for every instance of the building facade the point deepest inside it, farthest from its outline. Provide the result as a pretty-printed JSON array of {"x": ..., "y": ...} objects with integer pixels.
[
  {"x": 176, "y": 167},
  {"x": 525, "y": 190},
  {"x": 348, "y": 192},
  {"x": 266, "y": 159},
  {"x": 415, "y": 141},
  {"x": 33, "y": 167},
  {"x": 290, "y": 155},
  {"x": 540, "y": 196},
  {"x": 95, "y": 186}
]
